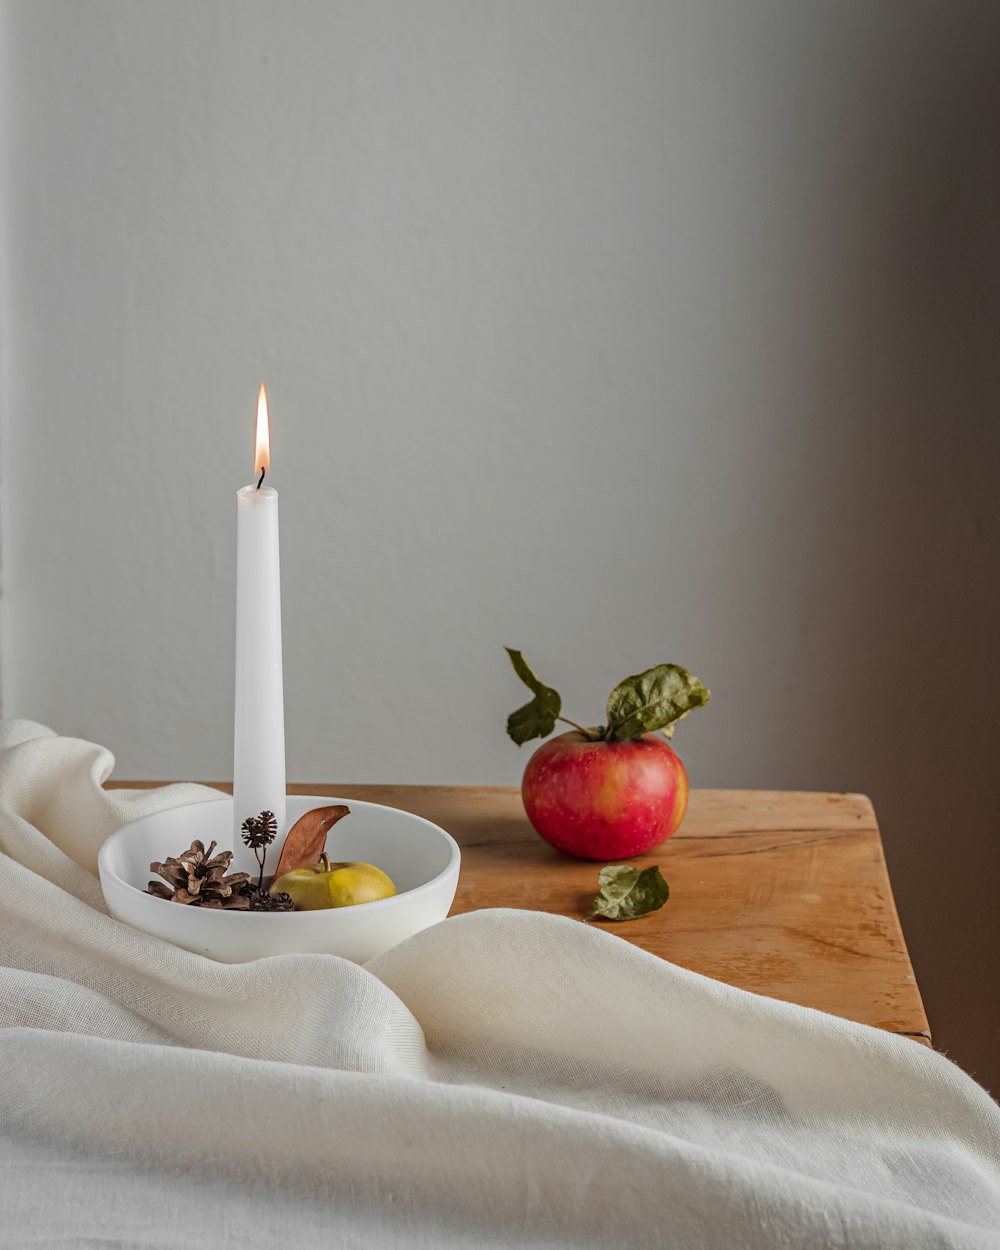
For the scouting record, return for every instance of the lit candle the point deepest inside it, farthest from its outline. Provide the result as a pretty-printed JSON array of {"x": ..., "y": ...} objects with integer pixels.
[{"x": 259, "y": 741}]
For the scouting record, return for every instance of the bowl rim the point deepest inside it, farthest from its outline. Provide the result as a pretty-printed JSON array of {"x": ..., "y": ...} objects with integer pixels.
[{"x": 453, "y": 864}]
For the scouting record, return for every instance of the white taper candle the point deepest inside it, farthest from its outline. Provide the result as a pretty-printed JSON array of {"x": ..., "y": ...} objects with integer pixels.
[{"x": 259, "y": 738}]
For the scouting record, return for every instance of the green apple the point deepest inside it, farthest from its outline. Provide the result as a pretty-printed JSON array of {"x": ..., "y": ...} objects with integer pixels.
[{"x": 317, "y": 886}]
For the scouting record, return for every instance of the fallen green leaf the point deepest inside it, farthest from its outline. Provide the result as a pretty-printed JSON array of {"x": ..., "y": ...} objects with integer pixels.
[
  {"x": 537, "y": 718},
  {"x": 626, "y": 893},
  {"x": 655, "y": 699}
]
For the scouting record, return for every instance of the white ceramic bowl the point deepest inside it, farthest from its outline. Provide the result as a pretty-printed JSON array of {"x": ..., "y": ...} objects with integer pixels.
[{"x": 422, "y": 860}]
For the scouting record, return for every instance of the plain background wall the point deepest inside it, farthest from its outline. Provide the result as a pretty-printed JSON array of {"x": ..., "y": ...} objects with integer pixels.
[{"x": 619, "y": 332}]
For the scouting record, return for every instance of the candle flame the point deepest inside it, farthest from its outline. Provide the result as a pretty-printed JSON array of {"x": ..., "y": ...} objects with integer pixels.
[{"x": 262, "y": 448}]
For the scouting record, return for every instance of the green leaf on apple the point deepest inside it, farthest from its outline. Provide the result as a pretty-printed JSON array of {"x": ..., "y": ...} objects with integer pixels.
[
  {"x": 653, "y": 700},
  {"x": 625, "y": 893},
  {"x": 537, "y": 718}
]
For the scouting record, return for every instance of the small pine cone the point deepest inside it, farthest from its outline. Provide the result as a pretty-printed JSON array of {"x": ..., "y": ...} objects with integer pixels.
[
  {"x": 197, "y": 879},
  {"x": 260, "y": 830},
  {"x": 260, "y": 900}
]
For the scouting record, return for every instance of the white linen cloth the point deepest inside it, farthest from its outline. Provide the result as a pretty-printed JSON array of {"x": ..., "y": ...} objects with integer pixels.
[{"x": 503, "y": 1079}]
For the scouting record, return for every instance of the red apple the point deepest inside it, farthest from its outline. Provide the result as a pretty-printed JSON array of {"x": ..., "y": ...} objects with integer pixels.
[
  {"x": 615, "y": 791},
  {"x": 605, "y": 800}
]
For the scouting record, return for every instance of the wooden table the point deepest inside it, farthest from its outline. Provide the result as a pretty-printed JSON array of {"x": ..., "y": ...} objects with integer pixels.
[{"x": 778, "y": 892}]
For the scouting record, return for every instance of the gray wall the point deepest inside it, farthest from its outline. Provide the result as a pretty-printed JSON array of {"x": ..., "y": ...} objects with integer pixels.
[{"x": 617, "y": 332}]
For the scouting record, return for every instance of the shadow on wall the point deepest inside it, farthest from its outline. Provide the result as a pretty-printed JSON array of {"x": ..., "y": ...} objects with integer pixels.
[{"x": 899, "y": 506}]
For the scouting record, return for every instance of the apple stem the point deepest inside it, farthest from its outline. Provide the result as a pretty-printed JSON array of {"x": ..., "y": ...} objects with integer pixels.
[
  {"x": 586, "y": 732},
  {"x": 324, "y": 859}
]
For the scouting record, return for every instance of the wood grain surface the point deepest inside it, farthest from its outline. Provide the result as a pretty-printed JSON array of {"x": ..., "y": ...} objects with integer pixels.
[{"x": 778, "y": 892}]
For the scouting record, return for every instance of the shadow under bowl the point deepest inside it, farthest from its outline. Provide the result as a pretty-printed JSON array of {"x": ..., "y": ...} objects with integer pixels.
[{"x": 420, "y": 857}]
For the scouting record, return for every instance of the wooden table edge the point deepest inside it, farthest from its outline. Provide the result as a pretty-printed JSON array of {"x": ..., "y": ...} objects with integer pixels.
[{"x": 863, "y": 812}]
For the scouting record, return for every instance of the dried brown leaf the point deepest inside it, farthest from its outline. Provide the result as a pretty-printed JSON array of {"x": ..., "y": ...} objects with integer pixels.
[{"x": 306, "y": 840}]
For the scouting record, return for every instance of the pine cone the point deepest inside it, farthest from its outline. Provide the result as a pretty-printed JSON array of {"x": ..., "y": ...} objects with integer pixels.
[
  {"x": 198, "y": 880},
  {"x": 261, "y": 900},
  {"x": 260, "y": 830}
]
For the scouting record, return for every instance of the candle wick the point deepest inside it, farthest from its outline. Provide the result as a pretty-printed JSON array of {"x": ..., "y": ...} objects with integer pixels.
[{"x": 261, "y": 478}]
